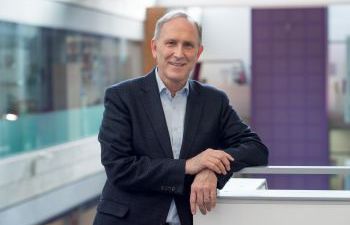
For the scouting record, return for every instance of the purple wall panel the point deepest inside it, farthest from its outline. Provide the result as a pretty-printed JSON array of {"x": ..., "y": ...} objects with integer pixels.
[{"x": 289, "y": 90}]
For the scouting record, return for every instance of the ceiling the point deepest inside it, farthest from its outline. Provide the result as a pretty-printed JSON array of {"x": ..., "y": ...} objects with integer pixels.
[
  {"x": 252, "y": 3},
  {"x": 135, "y": 9}
]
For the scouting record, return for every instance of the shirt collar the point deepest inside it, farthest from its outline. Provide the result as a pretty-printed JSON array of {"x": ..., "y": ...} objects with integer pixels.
[{"x": 163, "y": 88}]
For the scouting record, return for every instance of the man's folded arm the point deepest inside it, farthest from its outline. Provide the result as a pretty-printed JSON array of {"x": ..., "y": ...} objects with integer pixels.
[{"x": 240, "y": 142}]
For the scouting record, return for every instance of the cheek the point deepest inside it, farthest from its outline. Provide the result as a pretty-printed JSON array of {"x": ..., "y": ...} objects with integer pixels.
[
  {"x": 167, "y": 54},
  {"x": 192, "y": 56},
  {"x": 161, "y": 55}
]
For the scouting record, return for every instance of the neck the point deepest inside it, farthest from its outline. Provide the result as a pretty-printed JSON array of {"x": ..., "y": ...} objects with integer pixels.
[{"x": 172, "y": 85}]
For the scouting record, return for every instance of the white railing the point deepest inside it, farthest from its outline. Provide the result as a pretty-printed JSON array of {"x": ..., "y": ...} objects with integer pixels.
[
  {"x": 59, "y": 177},
  {"x": 243, "y": 206},
  {"x": 340, "y": 170}
]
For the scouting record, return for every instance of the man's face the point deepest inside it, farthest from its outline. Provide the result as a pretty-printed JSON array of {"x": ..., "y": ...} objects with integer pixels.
[{"x": 176, "y": 50}]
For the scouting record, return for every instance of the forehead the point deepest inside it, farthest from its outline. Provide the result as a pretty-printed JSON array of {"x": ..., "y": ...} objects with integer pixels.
[{"x": 179, "y": 27}]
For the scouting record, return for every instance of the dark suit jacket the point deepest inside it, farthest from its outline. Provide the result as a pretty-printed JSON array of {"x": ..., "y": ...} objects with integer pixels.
[{"x": 142, "y": 176}]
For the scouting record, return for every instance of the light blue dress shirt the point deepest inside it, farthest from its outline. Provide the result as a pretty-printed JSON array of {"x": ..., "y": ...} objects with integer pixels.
[{"x": 174, "y": 110}]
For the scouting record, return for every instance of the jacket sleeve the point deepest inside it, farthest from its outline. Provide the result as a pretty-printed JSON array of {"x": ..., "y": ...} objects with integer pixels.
[
  {"x": 239, "y": 141},
  {"x": 126, "y": 169}
]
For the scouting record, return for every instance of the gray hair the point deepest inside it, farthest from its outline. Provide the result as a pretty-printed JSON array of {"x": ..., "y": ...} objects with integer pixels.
[{"x": 173, "y": 15}]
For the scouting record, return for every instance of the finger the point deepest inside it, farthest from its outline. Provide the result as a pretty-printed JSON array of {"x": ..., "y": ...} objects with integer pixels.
[
  {"x": 223, "y": 154},
  {"x": 208, "y": 161},
  {"x": 226, "y": 160},
  {"x": 221, "y": 167},
  {"x": 193, "y": 201},
  {"x": 199, "y": 199},
  {"x": 207, "y": 199},
  {"x": 200, "y": 202},
  {"x": 212, "y": 166},
  {"x": 227, "y": 164},
  {"x": 203, "y": 210},
  {"x": 228, "y": 156},
  {"x": 213, "y": 197}
]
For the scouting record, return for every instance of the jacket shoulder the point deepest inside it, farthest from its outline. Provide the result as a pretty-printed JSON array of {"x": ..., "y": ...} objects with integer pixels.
[
  {"x": 208, "y": 90},
  {"x": 125, "y": 85}
]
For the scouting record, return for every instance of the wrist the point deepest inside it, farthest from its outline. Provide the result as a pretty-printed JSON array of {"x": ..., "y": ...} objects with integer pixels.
[{"x": 188, "y": 168}]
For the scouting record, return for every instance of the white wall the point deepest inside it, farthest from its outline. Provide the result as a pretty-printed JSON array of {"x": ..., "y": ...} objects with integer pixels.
[
  {"x": 338, "y": 33},
  {"x": 226, "y": 39},
  {"x": 227, "y": 33},
  {"x": 339, "y": 22}
]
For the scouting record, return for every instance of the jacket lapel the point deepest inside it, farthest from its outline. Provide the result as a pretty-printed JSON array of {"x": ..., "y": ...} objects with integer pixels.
[
  {"x": 192, "y": 119},
  {"x": 154, "y": 110}
]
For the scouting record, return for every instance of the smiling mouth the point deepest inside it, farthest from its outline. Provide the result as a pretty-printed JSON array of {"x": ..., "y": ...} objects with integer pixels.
[{"x": 177, "y": 64}]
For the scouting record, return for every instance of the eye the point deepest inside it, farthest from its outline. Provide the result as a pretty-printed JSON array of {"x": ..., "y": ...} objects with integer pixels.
[
  {"x": 170, "y": 43},
  {"x": 188, "y": 45}
]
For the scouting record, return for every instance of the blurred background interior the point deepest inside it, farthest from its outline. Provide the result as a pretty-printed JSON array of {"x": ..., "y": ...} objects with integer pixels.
[{"x": 285, "y": 66}]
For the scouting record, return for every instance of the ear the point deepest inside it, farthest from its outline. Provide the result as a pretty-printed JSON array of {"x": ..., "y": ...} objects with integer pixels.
[
  {"x": 200, "y": 50},
  {"x": 154, "y": 48}
]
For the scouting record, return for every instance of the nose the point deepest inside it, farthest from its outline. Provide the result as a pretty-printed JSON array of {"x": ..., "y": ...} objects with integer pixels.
[{"x": 178, "y": 51}]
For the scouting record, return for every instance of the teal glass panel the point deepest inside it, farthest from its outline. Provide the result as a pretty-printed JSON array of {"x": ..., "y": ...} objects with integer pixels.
[
  {"x": 52, "y": 81},
  {"x": 36, "y": 131}
]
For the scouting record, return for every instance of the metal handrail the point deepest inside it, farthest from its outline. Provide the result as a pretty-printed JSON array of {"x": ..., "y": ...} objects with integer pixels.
[{"x": 342, "y": 170}]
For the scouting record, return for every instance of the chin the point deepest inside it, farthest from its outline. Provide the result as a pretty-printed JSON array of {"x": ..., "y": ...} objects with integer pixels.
[{"x": 179, "y": 75}]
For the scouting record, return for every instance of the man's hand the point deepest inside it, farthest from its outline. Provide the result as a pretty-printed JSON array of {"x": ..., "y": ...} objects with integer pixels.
[
  {"x": 215, "y": 160},
  {"x": 203, "y": 192}
]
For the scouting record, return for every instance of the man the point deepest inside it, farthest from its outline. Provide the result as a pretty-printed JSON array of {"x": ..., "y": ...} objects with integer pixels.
[{"x": 168, "y": 142}]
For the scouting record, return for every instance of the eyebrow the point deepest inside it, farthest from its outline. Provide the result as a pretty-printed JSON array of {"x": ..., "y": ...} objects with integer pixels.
[
  {"x": 189, "y": 43},
  {"x": 170, "y": 40},
  {"x": 175, "y": 40}
]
